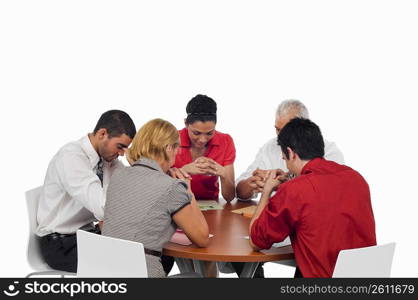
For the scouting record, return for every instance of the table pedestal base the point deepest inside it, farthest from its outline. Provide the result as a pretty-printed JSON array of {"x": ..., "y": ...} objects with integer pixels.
[{"x": 199, "y": 266}]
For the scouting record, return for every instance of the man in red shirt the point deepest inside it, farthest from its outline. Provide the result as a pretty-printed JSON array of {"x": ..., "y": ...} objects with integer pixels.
[{"x": 324, "y": 210}]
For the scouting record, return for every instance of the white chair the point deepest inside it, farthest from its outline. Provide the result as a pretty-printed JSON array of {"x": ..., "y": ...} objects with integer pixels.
[
  {"x": 375, "y": 261},
  {"x": 34, "y": 255},
  {"x": 102, "y": 256}
]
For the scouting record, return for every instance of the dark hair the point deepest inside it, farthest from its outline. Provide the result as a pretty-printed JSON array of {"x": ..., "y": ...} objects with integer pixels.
[
  {"x": 116, "y": 122},
  {"x": 302, "y": 136},
  {"x": 201, "y": 108}
]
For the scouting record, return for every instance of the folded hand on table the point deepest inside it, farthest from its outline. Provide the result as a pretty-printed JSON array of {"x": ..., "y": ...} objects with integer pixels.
[{"x": 204, "y": 166}]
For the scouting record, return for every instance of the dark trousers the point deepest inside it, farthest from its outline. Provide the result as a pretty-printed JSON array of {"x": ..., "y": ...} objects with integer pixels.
[
  {"x": 238, "y": 266},
  {"x": 60, "y": 251},
  {"x": 298, "y": 274},
  {"x": 167, "y": 262}
]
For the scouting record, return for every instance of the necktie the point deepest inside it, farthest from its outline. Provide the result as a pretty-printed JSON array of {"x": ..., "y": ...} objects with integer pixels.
[{"x": 99, "y": 170}]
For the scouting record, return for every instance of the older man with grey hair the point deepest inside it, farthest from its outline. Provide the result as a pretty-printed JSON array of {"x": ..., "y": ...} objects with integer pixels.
[{"x": 268, "y": 157}]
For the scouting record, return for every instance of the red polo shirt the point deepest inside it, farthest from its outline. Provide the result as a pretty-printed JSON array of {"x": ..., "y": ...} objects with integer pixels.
[
  {"x": 220, "y": 148},
  {"x": 324, "y": 210}
]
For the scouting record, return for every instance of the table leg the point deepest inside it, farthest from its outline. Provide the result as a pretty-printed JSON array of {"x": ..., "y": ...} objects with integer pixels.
[{"x": 249, "y": 270}]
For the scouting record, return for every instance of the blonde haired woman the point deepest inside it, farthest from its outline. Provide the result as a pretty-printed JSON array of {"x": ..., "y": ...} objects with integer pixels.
[{"x": 146, "y": 205}]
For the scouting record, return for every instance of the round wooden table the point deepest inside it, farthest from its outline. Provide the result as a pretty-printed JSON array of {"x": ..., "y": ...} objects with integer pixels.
[{"x": 229, "y": 243}]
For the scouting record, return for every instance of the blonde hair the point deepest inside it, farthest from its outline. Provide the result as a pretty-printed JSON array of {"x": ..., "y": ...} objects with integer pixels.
[{"x": 152, "y": 139}]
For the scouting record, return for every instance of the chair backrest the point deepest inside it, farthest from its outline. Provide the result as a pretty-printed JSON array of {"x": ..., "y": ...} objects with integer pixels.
[
  {"x": 375, "y": 261},
  {"x": 34, "y": 255},
  {"x": 102, "y": 256}
]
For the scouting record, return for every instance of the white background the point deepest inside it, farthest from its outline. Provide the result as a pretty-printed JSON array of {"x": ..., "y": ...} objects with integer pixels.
[{"x": 353, "y": 63}]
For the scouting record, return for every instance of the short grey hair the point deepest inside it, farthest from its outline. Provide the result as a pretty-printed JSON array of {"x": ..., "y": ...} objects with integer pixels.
[{"x": 290, "y": 105}]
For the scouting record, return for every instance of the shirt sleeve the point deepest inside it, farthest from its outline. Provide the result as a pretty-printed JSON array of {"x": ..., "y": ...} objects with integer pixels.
[
  {"x": 81, "y": 183},
  {"x": 230, "y": 152},
  {"x": 259, "y": 162},
  {"x": 277, "y": 220},
  {"x": 251, "y": 168},
  {"x": 177, "y": 197},
  {"x": 333, "y": 153}
]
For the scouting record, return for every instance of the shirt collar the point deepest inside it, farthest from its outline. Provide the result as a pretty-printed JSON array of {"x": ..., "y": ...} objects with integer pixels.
[
  {"x": 312, "y": 164},
  {"x": 89, "y": 150},
  {"x": 185, "y": 140},
  {"x": 150, "y": 163}
]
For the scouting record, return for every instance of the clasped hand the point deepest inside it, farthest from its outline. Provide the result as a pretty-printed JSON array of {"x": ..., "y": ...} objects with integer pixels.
[
  {"x": 204, "y": 166},
  {"x": 267, "y": 179}
]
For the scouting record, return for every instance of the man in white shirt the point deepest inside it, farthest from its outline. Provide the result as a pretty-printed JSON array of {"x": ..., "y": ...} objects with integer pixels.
[
  {"x": 74, "y": 190},
  {"x": 251, "y": 182}
]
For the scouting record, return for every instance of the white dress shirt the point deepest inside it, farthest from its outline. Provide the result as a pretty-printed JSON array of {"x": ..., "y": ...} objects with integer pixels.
[
  {"x": 72, "y": 194},
  {"x": 270, "y": 157}
]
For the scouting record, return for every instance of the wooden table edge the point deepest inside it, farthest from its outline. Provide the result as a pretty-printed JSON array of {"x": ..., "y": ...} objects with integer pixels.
[{"x": 258, "y": 257}]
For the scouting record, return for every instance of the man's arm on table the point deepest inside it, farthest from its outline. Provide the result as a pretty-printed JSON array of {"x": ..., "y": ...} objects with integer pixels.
[
  {"x": 273, "y": 181},
  {"x": 252, "y": 180},
  {"x": 246, "y": 183},
  {"x": 261, "y": 205}
]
